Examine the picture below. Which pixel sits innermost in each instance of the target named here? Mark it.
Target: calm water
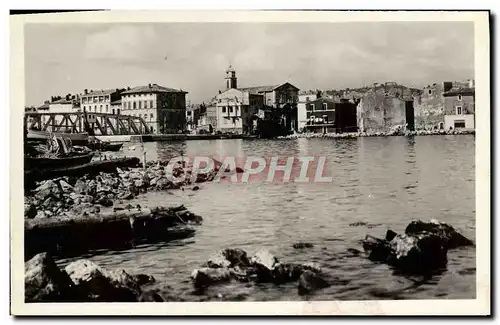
(384, 182)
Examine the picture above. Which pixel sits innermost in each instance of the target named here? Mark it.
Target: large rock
(421, 250)
(205, 277)
(47, 189)
(264, 263)
(419, 253)
(229, 257)
(451, 238)
(29, 210)
(45, 282)
(100, 285)
(310, 281)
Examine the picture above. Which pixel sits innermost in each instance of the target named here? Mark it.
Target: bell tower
(231, 78)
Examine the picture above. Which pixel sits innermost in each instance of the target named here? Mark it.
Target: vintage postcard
(250, 163)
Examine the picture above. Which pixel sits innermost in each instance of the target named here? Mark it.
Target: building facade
(459, 108)
(320, 115)
(304, 98)
(99, 101)
(235, 109)
(163, 109)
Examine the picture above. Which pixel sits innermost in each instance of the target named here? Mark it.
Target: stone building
(99, 101)
(236, 107)
(380, 111)
(163, 109)
(459, 108)
(430, 105)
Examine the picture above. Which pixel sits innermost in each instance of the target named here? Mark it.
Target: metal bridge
(101, 123)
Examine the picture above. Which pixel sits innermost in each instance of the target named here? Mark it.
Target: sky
(68, 58)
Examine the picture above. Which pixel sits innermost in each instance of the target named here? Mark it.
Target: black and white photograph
(335, 161)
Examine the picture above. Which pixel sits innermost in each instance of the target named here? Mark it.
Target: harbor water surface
(378, 183)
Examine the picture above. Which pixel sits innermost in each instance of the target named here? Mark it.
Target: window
(100, 108)
(107, 108)
(459, 124)
(151, 115)
(460, 97)
(135, 105)
(118, 111)
(325, 106)
(84, 100)
(230, 109)
(430, 91)
(95, 108)
(129, 105)
(307, 98)
(140, 104)
(151, 104)
(113, 111)
(223, 109)
(145, 104)
(459, 110)
(101, 99)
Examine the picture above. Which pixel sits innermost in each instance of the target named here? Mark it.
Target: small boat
(105, 146)
(76, 138)
(56, 162)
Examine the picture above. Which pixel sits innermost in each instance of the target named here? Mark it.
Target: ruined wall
(429, 107)
(467, 104)
(379, 112)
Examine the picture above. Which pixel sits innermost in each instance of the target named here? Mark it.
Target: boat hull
(31, 163)
(76, 138)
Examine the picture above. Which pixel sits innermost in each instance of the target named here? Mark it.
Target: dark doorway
(410, 115)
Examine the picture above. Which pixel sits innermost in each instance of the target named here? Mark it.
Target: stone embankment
(376, 134)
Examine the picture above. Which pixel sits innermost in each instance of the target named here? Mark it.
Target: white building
(304, 98)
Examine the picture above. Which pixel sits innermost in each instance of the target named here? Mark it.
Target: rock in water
(301, 245)
(378, 249)
(310, 281)
(451, 237)
(264, 263)
(99, 284)
(236, 257)
(389, 235)
(205, 277)
(218, 260)
(151, 296)
(45, 282)
(420, 253)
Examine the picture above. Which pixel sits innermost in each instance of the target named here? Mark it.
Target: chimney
(85, 91)
(128, 87)
(149, 85)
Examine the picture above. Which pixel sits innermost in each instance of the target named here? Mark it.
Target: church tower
(231, 78)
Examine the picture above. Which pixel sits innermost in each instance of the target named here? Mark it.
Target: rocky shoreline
(420, 251)
(376, 134)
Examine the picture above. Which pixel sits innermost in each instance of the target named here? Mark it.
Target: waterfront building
(320, 115)
(459, 107)
(305, 97)
(99, 101)
(236, 108)
(163, 109)
(116, 107)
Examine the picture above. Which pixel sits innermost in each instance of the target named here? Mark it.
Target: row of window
(145, 116)
(97, 109)
(312, 106)
(138, 104)
(95, 99)
(232, 109)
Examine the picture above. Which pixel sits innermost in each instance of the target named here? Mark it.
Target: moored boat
(56, 162)
(76, 138)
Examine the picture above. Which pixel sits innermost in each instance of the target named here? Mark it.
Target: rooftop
(63, 101)
(152, 88)
(264, 89)
(101, 92)
(459, 91)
